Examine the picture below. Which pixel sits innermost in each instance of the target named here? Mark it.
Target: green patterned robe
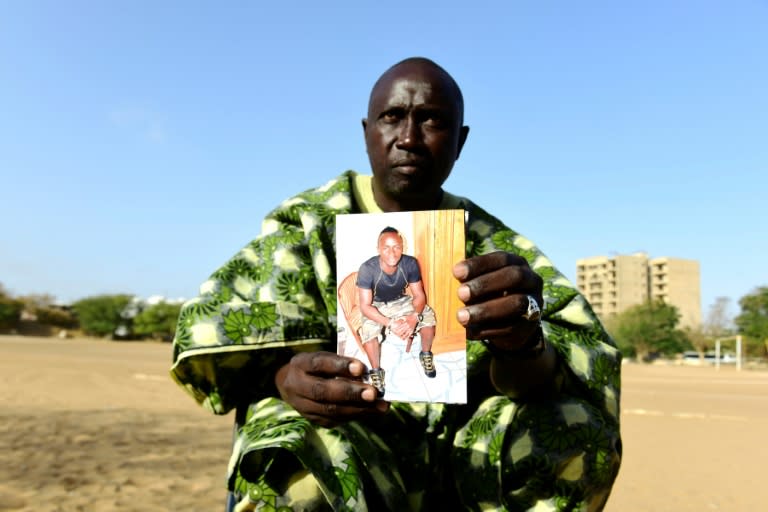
(278, 295)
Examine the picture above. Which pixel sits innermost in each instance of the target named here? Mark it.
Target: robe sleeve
(275, 297)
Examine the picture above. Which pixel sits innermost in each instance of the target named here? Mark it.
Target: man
(541, 426)
(386, 307)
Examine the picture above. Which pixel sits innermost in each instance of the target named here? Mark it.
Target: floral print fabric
(278, 296)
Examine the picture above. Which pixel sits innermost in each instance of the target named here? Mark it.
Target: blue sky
(142, 142)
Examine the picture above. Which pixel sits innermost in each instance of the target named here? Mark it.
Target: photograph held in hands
(398, 301)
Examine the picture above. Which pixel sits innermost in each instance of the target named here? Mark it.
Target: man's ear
(463, 133)
(364, 121)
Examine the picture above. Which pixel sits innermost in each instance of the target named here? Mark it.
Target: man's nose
(409, 135)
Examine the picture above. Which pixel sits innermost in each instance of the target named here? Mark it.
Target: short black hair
(389, 229)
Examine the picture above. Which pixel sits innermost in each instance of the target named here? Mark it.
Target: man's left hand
(495, 289)
(402, 328)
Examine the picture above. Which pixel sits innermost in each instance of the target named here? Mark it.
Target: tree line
(119, 316)
(643, 331)
(652, 329)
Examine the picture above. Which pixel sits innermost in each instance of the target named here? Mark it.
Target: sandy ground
(98, 426)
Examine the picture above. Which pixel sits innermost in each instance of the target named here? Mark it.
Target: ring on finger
(533, 313)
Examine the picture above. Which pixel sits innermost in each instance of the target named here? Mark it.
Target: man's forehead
(404, 91)
(389, 238)
(414, 82)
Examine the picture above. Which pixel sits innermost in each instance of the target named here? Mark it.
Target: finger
(331, 409)
(478, 265)
(328, 364)
(508, 308)
(339, 390)
(501, 282)
(331, 414)
(322, 420)
(400, 329)
(513, 335)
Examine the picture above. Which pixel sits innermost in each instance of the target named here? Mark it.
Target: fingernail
(382, 406)
(355, 368)
(463, 316)
(368, 394)
(464, 293)
(460, 271)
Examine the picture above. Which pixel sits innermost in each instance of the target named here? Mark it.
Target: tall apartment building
(676, 282)
(613, 284)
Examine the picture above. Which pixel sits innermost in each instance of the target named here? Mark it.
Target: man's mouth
(408, 166)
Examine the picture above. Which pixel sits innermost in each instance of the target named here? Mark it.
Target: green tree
(647, 329)
(753, 320)
(101, 315)
(10, 310)
(157, 321)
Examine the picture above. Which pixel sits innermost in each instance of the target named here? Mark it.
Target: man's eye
(434, 121)
(389, 118)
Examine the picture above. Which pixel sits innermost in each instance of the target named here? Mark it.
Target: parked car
(694, 358)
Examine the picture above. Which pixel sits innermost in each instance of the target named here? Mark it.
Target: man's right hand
(327, 388)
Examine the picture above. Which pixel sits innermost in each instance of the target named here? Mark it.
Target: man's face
(390, 249)
(413, 135)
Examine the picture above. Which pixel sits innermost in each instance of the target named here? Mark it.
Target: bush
(157, 321)
(101, 315)
(55, 317)
(10, 312)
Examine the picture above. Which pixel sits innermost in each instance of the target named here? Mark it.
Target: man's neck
(388, 204)
(362, 189)
(387, 268)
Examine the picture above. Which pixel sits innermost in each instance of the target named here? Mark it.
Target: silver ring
(533, 314)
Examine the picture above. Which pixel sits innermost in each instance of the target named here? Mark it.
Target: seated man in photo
(386, 307)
